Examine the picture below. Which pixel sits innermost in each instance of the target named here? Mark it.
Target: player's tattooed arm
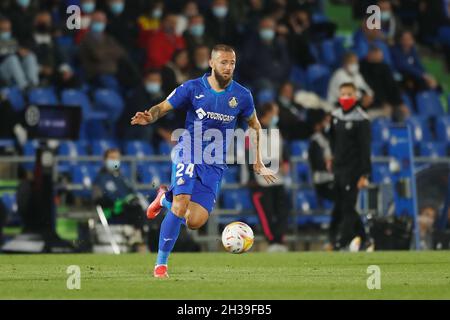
(153, 114)
(259, 166)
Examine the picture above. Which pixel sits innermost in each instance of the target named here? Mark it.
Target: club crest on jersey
(233, 102)
(180, 181)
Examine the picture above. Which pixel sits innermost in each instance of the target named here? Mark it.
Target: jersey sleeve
(249, 106)
(179, 98)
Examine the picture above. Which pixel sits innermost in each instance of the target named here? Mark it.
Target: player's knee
(195, 223)
(179, 208)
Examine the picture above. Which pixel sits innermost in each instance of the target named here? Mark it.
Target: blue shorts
(201, 181)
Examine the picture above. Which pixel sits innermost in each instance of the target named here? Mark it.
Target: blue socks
(168, 235)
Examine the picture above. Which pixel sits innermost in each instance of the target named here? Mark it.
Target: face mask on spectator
(152, 87)
(220, 11)
(267, 34)
(274, 121)
(385, 15)
(353, 68)
(284, 101)
(117, 7)
(5, 35)
(97, 27)
(112, 164)
(157, 13)
(88, 7)
(347, 103)
(197, 30)
(23, 3)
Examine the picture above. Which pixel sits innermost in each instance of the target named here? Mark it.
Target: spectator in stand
(149, 93)
(65, 78)
(122, 24)
(87, 9)
(176, 71)
(220, 25)
(200, 62)
(320, 156)
(387, 96)
(103, 59)
(195, 34)
(163, 43)
(265, 58)
(407, 62)
(349, 72)
(390, 24)
(113, 192)
(149, 22)
(18, 65)
(44, 46)
(190, 9)
(293, 122)
(21, 14)
(298, 37)
(364, 37)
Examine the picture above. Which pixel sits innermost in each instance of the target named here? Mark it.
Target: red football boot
(155, 207)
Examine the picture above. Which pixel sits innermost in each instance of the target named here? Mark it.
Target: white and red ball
(237, 237)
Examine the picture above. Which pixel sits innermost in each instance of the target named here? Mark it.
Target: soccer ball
(237, 237)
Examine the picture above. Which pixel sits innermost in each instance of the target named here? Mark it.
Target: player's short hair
(109, 151)
(348, 85)
(221, 47)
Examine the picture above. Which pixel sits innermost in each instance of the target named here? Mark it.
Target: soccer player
(215, 101)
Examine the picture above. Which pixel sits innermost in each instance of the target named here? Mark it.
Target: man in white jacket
(349, 72)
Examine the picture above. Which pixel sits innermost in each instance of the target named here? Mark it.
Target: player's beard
(221, 80)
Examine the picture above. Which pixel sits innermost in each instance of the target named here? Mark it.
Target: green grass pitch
(299, 275)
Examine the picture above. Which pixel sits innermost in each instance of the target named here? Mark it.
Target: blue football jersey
(210, 112)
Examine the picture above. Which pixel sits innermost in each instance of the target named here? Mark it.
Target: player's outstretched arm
(152, 115)
(259, 166)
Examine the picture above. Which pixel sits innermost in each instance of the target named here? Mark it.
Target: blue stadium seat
(302, 173)
(98, 147)
(14, 97)
(380, 130)
(72, 97)
(10, 202)
(29, 149)
(419, 128)
(317, 76)
(138, 148)
(298, 76)
(109, 100)
(125, 170)
(429, 104)
(378, 149)
(299, 148)
(156, 173)
(237, 199)
(381, 173)
(164, 148)
(443, 129)
(231, 175)
(408, 102)
(7, 143)
(42, 96)
(84, 175)
(69, 149)
(328, 53)
(304, 201)
(433, 149)
(265, 95)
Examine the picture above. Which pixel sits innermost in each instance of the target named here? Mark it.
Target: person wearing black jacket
(350, 144)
